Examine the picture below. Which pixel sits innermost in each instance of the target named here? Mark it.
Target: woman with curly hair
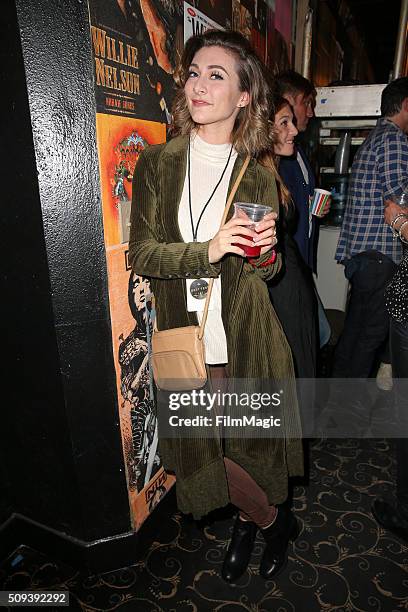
(180, 188)
(292, 289)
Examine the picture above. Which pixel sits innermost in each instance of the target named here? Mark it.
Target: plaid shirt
(380, 168)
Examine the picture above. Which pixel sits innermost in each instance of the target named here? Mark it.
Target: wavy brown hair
(269, 159)
(251, 132)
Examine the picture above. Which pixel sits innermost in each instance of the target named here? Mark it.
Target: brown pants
(245, 493)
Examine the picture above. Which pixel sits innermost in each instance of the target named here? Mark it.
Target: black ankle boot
(239, 550)
(277, 537)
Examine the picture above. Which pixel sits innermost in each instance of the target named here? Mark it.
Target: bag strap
(224, 216)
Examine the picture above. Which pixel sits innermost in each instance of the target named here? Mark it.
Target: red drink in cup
(250, 251)
(253, 212)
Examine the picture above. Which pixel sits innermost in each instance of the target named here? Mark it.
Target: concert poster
(277, 49)
(195, 22)
(242, 17)
(132, 316)
(135, 45)
(259, 31)
(220, 12)
(120, 142)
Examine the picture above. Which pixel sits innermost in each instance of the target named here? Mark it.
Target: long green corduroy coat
(257, 346)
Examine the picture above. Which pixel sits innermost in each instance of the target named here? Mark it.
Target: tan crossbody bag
(178, 354)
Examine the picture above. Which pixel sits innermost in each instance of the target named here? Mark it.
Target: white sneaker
(384, 377)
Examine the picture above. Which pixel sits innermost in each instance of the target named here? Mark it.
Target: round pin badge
(199, 288)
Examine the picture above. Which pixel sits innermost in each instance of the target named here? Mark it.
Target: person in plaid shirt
(366, 246)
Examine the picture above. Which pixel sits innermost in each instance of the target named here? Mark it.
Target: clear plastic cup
(254, 212)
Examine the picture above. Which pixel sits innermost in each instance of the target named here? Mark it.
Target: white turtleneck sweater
(207, 163)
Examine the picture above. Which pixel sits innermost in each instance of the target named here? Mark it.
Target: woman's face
(212, 89)
(285, 131)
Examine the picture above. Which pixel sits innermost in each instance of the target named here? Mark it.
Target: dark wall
(60, 436)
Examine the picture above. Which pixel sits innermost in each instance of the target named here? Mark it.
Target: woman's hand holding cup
(263, 224)
(241, 236)
(228, 237)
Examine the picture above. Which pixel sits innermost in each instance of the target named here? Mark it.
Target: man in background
(366, 246)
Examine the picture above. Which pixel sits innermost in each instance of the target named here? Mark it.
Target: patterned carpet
(342, 560)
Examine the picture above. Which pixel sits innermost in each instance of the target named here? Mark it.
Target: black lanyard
(195, 231)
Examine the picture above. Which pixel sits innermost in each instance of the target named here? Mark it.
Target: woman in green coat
(220, 116)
